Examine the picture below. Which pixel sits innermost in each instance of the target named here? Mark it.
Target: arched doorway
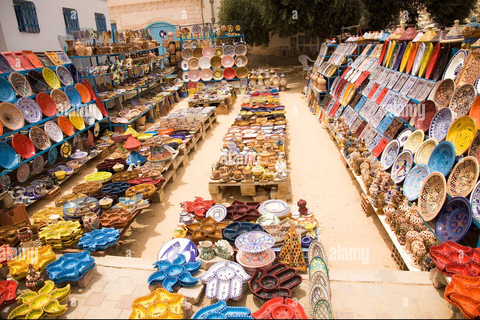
(157, 27)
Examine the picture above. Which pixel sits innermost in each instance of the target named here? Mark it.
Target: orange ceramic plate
(411, 59)
(84, 93)
(475, 111)
(166, 132)
(66, 126)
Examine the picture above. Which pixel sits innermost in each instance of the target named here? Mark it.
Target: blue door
(157, 27)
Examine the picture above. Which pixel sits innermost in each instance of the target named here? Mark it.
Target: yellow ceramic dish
(42, 216)
(426, 60)
(99, 176)
(51, 78)
(158, 304)
(77, 120)
(60, 175)
(131, 131)
(461, 134)
(391, 49)
(348, 95)
(414, 141)
(425, 150)
(38, 257)
(179, 141)
(145, 136)
(406, 55)
(391, 61)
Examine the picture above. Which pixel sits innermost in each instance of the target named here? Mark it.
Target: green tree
(380, 14)
(445, 12)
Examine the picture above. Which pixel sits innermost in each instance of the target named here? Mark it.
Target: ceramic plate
(461, 134)
(10, 116)
(454, 220)
(470, 70)
(463, 177)
(66, 126)
(39, 138)
(444, 93)
(403, 136)
(414, 180)
(184, 65)
(76, 120)
(475, 202)
(240, 50)
(277, 207)
(23, 172)
(206, 74)
(194, 75)
(406, 55)
(442, 158)
(46, 104)
(66, 150)
(441, 123)
(6, 91)
(254, 242)
(402, 165)
(61, 100)
(462, 100)
(187, 54)
(411, 59)
(455, 65)
(426, 60)
(23, 146)
(64, 76)
(84, 93)
(38, 164)
(428, 111)
(51, 78)
(432, 196)
(228, 61)
(229, 50)
(217, 212)
(208, 52)
(53, 131)
(30, 109)
(418, 58)
(474, 149)
(425, 150)
(204, 63)
(389, 154)
(317, 264)
(172, 248)
(433, 61)
(8, 156)
(414, 141)
(20, 84)
(52, 156)
(193, 64)
(73, 96)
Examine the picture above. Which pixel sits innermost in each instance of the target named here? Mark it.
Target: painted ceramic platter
(406, 55)
(229, 50)
(411, 59)
(426, 60)
(228, 61)
(77, 120)
(444, 93)
(403, 136)
(64, 76)
(61, 100)
(185, 76)
(194, 75)
(184, 65)
(322, 310)
(204, 63)
(425, 150)
(463, 177)
(442, 158)
(316, 294)
(23, 146)
(316, 249)
(441, 123)
(20, 84)
(174, 247)
(475, 202)
(46, 104)
(30, 109)
(471, 69)
(193, 64)
(455, 65)
(23, 172)
(217, 212)
(432, 196)
(383, 52)
(461, 134)
(95, 112)
(402, 165)
(11, 117)
(66, 126)
(389, 54)
(217, 74)
(398, 59)
(389, 154)
(73, 96)
(53, 131)
(433, 61)
(442, 62)
(51, 78)
(187, 54)
(462, 100)
(52, 156)
(39, 138)
(6, 91)
(454, 220)
(414, 141)
(229, 73)
(216, 62)
(66, 150)
(197, 53)
(84, 93)
(218, 51)
(240, 50)
(208, 52)
(206, 74)
(254, 242)
(8, 156)
(429, 110)
(38, 164)
(317, 264)
(418, 58)
(414, 180)
(241, 72)
(278, 208)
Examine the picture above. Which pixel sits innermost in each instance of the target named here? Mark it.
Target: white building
(19, 30)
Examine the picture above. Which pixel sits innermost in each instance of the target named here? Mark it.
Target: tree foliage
(445, 12)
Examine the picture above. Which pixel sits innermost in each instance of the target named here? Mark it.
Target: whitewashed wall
(51, 22)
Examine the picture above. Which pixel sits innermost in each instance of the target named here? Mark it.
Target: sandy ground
(352, 240)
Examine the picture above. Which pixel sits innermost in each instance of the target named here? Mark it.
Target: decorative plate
(463, 177)
(418, 58)
(414, 180)
(462, 100)
(20, 84)
(197, 53)
(53, 131)
(84, 93)
(5, 181)
(322, 310)
(426, 60)
(23, 172)
(432, 196)
(454, 220)
(461, 134)
(441, 123)
(194, 75)
(442, 62)
(229, 73)
(442, 158)
(217, 74)
(414, 141)
(187, 54)
(39, 138)
(185, 76)
(278, 208)
(61, 100)
(403, 136)
(66, 150)
(455, 64)
(241, 72)
(207, 52)
(64, 76)
(51, 78)
(444, 93)
(228, 61)
(240, 50)
(193, 64)
(204, 63)
(196, 29)
(402, 165)
(217, 212)
(37, 82)
(73, 96)
(206, 74)
(38, 164)
(23, 146)
(89, 88)
(317, 292)
(216, 62)
(389, 154)
(254, 242)
(77, 120)
(229, 50)
(474, 149)
(8, 156)
(101, 106)
(429, 110)
(66, 126)
(316, 249)
(411, 59)
(471, 69)
(174, 247)
(95, 112)
(52, 156)
(425, 150)
(241, 61)
(433, 61)
(6, 91)
(317, 264)
(30, 109)
(10, 116)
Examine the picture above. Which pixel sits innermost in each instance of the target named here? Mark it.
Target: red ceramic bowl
(47, 104)
(23, 146)
(229, 73)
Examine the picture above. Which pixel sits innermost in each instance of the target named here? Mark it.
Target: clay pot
(24, 234)
(88, 51)
(70, 48)
(321, 83)
(79, 48)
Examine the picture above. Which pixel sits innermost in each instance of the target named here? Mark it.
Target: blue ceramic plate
(442, 158)
(389, 154)
(475, 202)
(170, 250)
(8, 156)
(440, 124)
(402, 166)
(235, 229)
(6, 91)
(52, 156)
(414, 180)
(73, 95)
(454, 220)
(30, 109)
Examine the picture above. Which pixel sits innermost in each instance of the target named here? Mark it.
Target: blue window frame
(101, 23)
(71, 20)
(26, 14)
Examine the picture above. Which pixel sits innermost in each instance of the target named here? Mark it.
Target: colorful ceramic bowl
(461, 134)
(463, 177)
(217, 74)
(47, 104)
(194, 75)
(454, 220)
(227, 61)
(414, 180)
(440, 124)
(475, 202)
(455, 65)
(404, 135)
(77, 120)
(444, 93)
(402, 165)
(428, 109)
(229, 73)
(216, 62)
(414, 141)
(242, 72)
(442, 158)
(462, 100)
(51, 78)
(389, 154)
(425, 150)
(10, 116)
(432, 196)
